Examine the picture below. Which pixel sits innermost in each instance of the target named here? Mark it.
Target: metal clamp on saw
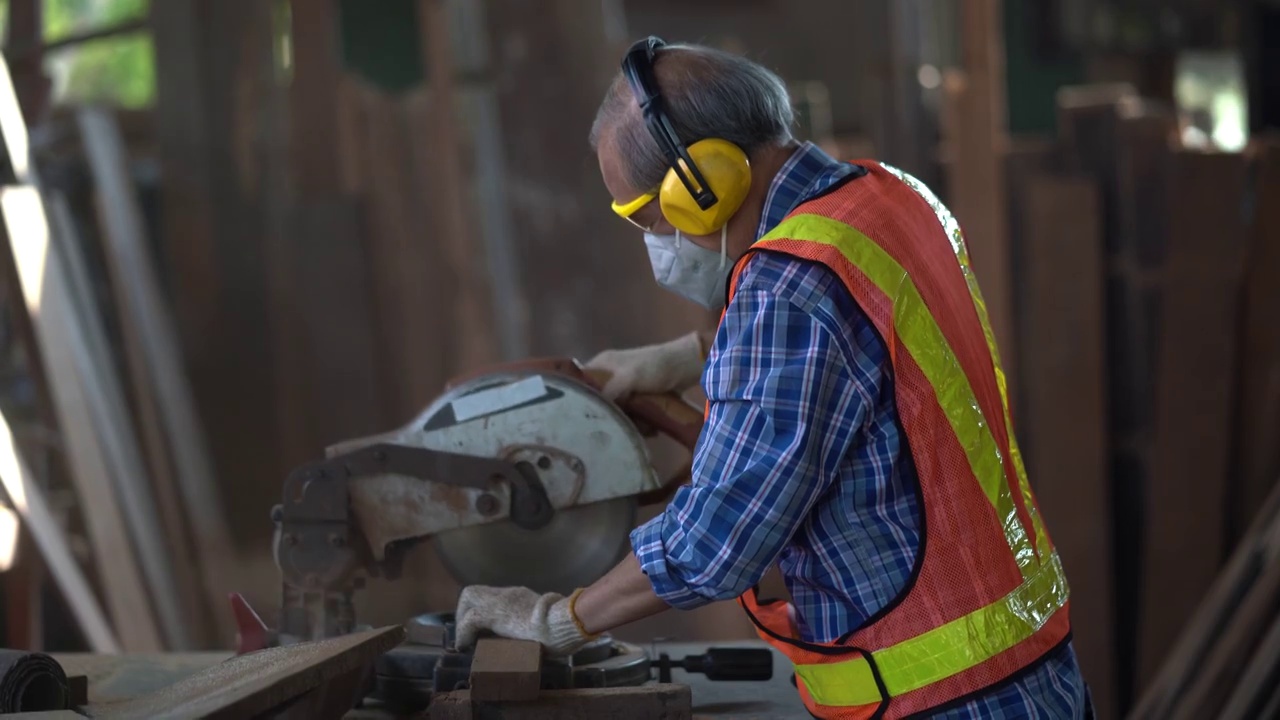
(522, 474)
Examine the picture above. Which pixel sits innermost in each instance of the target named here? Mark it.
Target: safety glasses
(626, 210)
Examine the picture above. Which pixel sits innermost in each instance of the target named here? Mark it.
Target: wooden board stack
(1145, 292)
(156, 531)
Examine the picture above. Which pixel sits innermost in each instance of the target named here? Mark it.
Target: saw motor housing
(503, 461)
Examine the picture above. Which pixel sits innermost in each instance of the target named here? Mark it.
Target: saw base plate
(408, 676)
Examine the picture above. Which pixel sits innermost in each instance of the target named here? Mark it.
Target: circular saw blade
(575, 549)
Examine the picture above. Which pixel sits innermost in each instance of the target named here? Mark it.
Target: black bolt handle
(723, 664)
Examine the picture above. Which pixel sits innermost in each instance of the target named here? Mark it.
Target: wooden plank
(78, 685)
(28, 500)
(24, 31)
(505, 670)
(1213, 614)
(409, 283)
(1211, 683)
(62, 345)
(108, 415)
(1137, 248)
(94, 428)
(976, 135)
(331, 344)
(1089, 120)
(1256, 457)
(646, 702)
(164, 395)
(66, 242)
(888, 41)
(1186, 498)
(474, 341)
(1063, 377)
(332, 699)
(114, 678)
(220, 139)
(113, 423)
(583, 270)
(246, 685)
(1259, 677)
(23, 583)
(40, 48)
(1136, 241)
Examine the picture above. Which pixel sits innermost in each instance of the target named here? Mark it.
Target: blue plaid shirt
(801, 462)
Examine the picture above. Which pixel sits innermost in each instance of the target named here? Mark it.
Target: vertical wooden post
(1256, 459)
(26, 30)
(1186, 498)
(1064, 385)
(976, 182)
(459, 239)
(218, 100)
(326, 353)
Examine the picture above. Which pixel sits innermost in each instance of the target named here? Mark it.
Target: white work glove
(519, 614)
(673, 365)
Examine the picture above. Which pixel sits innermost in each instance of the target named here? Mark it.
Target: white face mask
(689, 270)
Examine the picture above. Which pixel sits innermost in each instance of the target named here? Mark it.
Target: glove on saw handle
(667, 413)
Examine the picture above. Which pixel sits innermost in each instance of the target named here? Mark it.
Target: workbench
(121, 677)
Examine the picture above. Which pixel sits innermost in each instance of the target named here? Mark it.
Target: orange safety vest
(989, 596)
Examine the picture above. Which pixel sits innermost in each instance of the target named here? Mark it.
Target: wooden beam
(646, 702)
(82, 404)
(28, 500)
(76, 396)
(506, 670)
(1186, 500)
(976, 137)
(1256, 457)
(220, 139)
(328, 362)
(409, 283)
(1063, 351)
(154, 358)
(28, 50)
(474, 343)
(23, 582)
(1185, 660)
(583, 270)
(26, 29)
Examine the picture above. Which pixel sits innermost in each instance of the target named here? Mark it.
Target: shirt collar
(807, 172)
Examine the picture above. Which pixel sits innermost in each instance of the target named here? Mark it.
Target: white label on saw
(488, 402)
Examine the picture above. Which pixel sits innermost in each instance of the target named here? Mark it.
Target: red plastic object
(251, 632)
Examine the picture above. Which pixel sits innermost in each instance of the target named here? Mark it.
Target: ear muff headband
(687, 198)
(637, 65)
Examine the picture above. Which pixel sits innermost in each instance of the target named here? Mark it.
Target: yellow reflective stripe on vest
(920, 334)
(945, 650)
(952, 228)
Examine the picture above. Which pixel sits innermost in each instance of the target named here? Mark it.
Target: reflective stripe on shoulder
(952, 228)
(945, 650)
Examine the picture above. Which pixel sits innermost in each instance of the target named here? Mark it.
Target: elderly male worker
(857, 429)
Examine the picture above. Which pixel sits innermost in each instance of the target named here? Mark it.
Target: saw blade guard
(568, 441)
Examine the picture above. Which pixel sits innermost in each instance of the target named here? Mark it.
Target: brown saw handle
(667, 413)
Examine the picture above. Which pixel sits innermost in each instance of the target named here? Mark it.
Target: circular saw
(603, 462)
(521, 474)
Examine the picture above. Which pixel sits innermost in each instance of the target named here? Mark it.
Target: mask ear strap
(724, 245)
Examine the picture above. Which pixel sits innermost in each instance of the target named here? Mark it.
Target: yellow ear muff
(727, 171)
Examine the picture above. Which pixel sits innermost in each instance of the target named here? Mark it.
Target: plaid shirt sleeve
(784, 409)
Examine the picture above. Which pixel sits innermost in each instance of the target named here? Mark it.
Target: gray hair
(706, 93)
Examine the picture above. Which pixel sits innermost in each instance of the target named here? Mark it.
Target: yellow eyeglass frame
(626, 210)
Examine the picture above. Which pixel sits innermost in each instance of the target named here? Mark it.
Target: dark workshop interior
(245, 237)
